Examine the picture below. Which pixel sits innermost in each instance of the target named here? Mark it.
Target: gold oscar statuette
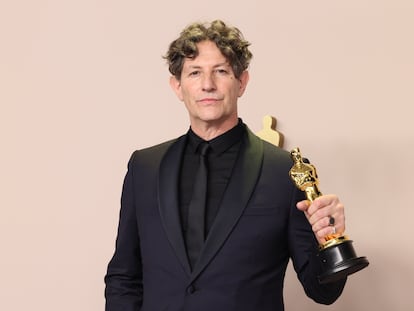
(337, 255)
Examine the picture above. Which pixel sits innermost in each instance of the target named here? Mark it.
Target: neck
(209, 130)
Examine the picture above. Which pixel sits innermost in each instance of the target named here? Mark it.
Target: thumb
(303, 205)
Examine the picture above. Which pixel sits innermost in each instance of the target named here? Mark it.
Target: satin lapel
(241, 185)
(168, 199)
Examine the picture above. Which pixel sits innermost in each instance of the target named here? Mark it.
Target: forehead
(208, 55)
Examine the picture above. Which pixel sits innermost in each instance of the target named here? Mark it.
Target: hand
(319, 213)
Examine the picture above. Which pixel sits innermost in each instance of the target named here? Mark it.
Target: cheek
(186, 94)
(236, 92)
(186, 97)
(239, 90)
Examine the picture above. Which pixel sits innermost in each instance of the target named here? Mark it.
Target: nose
(208, 83)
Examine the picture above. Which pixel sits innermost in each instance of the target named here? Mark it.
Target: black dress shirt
(221, 158)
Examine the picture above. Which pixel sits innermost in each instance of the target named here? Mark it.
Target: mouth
(208, 100)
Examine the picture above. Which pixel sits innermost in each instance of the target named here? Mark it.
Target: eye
(194, 73)
(222, 71)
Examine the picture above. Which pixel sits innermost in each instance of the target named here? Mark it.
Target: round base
(343, 269)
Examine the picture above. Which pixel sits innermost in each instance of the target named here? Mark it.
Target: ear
(244, 79)
(176, 87)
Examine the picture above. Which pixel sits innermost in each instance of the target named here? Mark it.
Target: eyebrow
(217, 65)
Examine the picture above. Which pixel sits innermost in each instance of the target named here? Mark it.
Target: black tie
(196, 210)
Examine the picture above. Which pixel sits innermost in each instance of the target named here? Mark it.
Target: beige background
(82, 84)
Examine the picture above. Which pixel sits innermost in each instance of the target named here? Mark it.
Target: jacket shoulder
(152, 155)
(272, 152)
(276, 151)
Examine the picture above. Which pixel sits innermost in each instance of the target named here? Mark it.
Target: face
(209, 88)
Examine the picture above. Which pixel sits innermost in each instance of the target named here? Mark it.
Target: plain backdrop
(83, 84)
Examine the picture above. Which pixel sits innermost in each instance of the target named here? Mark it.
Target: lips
(208, 100)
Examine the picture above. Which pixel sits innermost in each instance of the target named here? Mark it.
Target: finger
(326, 206)
(322, 202)
(303, 205)
(319, 216)
(323, 223)
(325, 229)
(327, 233)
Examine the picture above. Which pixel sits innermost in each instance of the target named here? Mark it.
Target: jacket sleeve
(303, 248)
(123, 280)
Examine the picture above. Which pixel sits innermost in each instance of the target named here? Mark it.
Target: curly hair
(228, 39)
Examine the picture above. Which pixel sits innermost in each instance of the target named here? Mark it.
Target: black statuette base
(338, 261)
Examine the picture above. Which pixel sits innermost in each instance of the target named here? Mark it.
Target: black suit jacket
(243, 263)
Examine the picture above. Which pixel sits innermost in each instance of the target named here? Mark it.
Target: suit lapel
(168, 199)
(241, 185)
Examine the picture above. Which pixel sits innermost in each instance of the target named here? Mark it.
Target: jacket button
(191, 289)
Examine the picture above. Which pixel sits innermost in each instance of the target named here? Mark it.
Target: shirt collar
(220, 143)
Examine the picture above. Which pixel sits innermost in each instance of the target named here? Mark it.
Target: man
(254, 219)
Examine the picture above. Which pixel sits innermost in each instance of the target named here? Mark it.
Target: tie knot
(204, 147)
